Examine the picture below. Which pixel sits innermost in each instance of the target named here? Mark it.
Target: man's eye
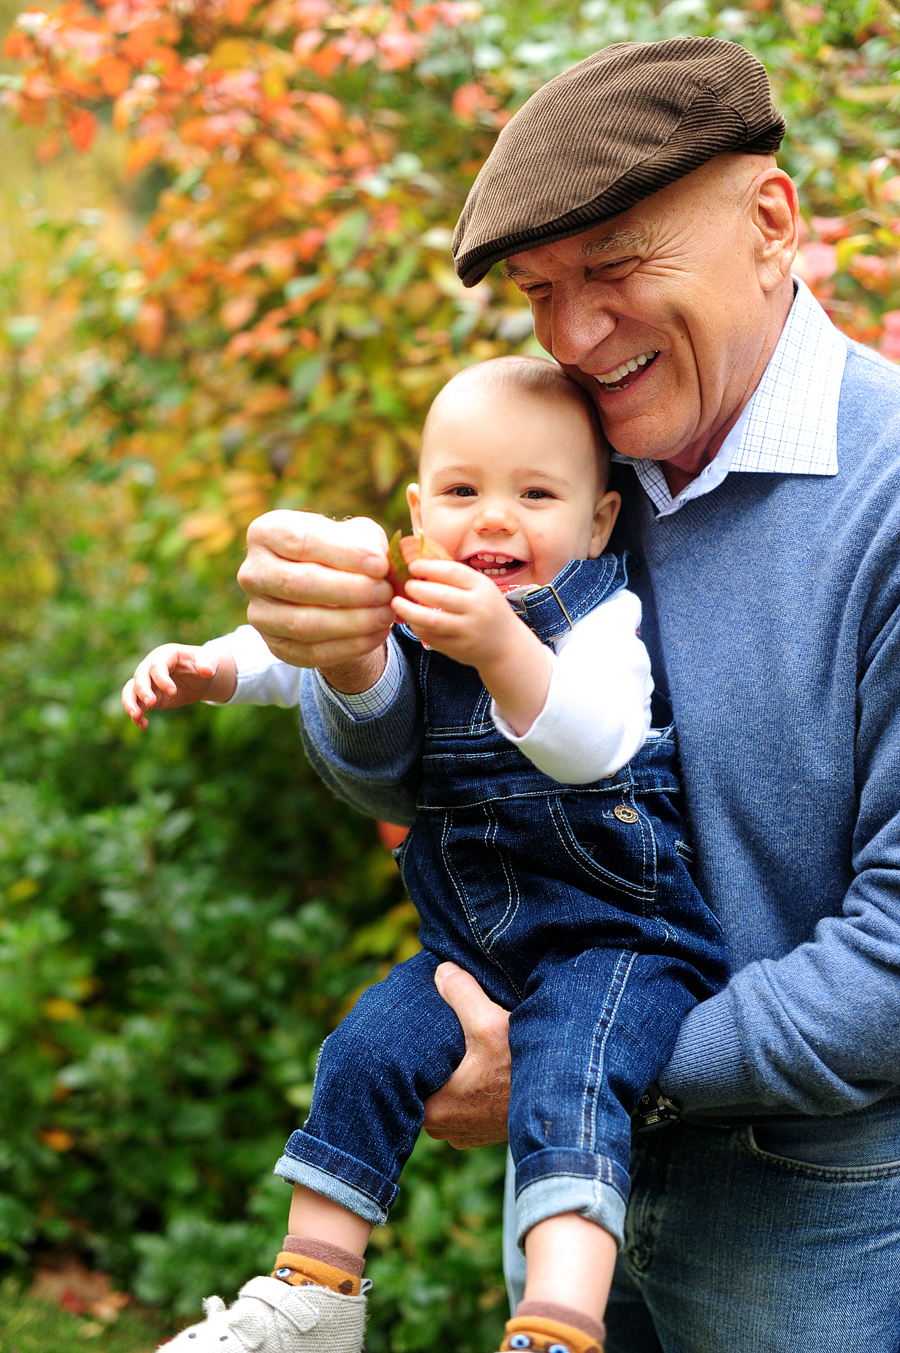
(621, 267)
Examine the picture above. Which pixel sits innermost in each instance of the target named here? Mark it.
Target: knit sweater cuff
(366, 745)
(709, 1070)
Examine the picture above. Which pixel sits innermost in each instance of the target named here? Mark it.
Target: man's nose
(575, 323)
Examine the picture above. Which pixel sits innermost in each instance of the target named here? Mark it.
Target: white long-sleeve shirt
(595, 719)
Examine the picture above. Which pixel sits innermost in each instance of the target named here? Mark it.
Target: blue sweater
(771, 616)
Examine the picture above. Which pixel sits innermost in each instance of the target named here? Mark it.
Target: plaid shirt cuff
(374, 702)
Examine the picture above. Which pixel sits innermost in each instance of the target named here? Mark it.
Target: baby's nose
(495, 517)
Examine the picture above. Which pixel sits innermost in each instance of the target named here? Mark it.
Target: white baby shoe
(270, 1316)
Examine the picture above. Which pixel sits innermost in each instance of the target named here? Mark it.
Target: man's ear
(414, 498)
(775, 218)
(605, 514)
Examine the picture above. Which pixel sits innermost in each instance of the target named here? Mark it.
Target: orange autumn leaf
(16, 45)
(140, 154)
(470, 100)
(115, 75)
(404, 550)
(82, 128)
(238, 11)
(150, 327)
(237, 310)
(49, 148)
(57, 1139)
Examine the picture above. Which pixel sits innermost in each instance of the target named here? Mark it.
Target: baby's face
(510, 485)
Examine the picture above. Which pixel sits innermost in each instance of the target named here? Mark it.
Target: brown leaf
(403, 550)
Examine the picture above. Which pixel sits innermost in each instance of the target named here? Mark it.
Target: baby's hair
(536, 376)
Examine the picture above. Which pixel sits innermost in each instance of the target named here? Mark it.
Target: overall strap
(553, 610)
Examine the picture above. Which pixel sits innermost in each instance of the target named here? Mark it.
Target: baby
(546, 859)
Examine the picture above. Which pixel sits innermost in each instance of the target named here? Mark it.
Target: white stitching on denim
(467, 910)
(639, 892)
(512, 888)
(594, 1079)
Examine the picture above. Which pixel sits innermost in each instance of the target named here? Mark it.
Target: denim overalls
(573, 907)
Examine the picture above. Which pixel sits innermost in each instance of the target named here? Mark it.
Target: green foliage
(184, 914)
(35, 1326)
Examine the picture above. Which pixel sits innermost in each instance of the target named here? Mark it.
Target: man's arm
(367, 748)
(818, 1029)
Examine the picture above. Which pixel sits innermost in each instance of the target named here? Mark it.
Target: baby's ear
(605, 514)
(414, 498)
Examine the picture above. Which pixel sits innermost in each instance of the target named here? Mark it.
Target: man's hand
(317, 588)
(472, 1108)
(178, 674)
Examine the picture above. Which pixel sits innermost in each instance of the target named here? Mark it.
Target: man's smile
(626, 373)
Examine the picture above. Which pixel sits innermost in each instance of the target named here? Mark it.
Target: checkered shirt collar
(790, 424)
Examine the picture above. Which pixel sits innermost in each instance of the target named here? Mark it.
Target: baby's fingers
(132, 706)
(446, 571)
(439, 597)
(426, 620)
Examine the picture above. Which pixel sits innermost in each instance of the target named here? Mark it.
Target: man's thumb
(482, 1020)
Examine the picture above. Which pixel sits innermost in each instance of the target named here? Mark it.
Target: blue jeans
(779, 1236)
(590, 1032)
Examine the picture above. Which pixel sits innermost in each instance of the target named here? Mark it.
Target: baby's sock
(306, 1262)
(544, 1325)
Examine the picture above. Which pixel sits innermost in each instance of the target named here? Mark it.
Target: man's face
(663, 313)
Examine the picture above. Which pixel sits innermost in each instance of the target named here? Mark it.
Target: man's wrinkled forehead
(602, 241)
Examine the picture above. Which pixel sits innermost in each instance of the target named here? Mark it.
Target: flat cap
(607, 133)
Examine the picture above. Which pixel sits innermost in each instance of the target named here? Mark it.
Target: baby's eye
(537, 493)
(462, 491)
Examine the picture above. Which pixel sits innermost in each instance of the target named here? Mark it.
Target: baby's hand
(178, 674)
(476, 625)
(456, 610)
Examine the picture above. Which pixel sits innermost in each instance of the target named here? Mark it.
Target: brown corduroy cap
(610, 131)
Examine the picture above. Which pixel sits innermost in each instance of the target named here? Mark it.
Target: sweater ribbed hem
(350, 756)
(709, 1070)
(361, 743)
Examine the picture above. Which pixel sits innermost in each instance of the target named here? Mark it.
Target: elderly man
(639, 208)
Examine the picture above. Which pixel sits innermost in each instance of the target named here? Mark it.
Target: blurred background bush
(225, 286)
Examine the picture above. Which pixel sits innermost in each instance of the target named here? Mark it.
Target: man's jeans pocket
(856, 1146)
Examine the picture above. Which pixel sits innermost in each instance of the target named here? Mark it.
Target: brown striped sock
(545, 1324)
(306, 1262)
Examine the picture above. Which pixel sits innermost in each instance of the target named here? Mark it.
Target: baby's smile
(494, 565)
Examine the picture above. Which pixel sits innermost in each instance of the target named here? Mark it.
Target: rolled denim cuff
(338, 1176)
(563, 1179)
